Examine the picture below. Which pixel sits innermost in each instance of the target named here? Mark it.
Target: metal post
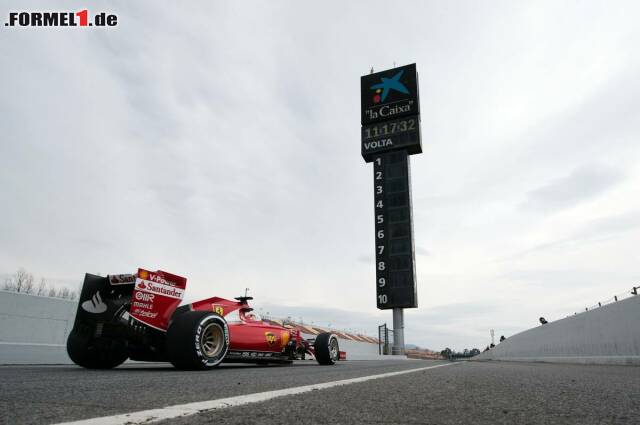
(398, 332)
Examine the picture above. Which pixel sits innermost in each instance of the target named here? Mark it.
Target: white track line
(181, 410)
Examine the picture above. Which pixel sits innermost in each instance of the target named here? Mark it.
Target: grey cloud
(591, 231)
(549, 278)
(367, 259)
(582, 184)
(422, 251)
(613, 224)
(605, 122)
(456, 313)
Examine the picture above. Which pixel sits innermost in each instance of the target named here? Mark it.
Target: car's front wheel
(327, 349)
(197, 340)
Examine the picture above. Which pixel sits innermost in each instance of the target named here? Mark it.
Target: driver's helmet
(252, 316)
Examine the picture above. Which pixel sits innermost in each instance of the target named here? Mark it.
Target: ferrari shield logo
(217, 309)
(271, 338)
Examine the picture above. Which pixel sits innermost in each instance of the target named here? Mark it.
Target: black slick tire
(326, 348)
(197, 340)
(95, 354)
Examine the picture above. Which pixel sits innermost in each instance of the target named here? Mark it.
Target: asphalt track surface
(465, 393)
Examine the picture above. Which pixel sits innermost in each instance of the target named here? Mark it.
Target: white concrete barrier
(33, 329)
(357, 350)
(607, 335)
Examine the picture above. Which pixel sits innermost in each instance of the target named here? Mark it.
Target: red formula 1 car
(137, 317)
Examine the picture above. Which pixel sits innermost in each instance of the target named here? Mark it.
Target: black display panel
(389, 94)
(395, 259)
(402, 133)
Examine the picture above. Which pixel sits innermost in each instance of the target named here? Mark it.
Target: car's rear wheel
(197, 340)
(95, 353)
(327, 349)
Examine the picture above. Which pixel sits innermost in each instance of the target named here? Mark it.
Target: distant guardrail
(614, 299)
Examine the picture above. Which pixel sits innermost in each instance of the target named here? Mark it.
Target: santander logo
(160, 289)
(95, 305)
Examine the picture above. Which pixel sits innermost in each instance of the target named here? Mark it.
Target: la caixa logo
(81, 18)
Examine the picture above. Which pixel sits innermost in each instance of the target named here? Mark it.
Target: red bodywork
(248, 334)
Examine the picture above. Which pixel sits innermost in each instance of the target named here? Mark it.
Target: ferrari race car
(138, 317)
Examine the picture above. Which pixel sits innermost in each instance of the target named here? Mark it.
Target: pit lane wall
(357, 350)
(607, 335)
(33, 329)
(361, 350)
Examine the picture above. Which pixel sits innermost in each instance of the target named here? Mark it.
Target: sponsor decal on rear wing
(122, 279)
(155, 297)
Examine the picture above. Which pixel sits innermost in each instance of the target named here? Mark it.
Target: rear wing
(156, 296)
(147, 297)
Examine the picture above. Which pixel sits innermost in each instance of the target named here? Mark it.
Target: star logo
(382, 89)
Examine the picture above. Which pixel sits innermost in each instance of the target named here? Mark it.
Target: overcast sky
(220, 141)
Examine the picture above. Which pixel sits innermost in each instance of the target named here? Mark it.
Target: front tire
(197, 340)
(95, 354)
(326, 348)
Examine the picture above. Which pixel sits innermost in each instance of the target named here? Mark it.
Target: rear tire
(95, 354)
(197, 340)
(327, 349)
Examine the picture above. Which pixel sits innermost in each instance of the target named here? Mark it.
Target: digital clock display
(403, 133)
(389, 128)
